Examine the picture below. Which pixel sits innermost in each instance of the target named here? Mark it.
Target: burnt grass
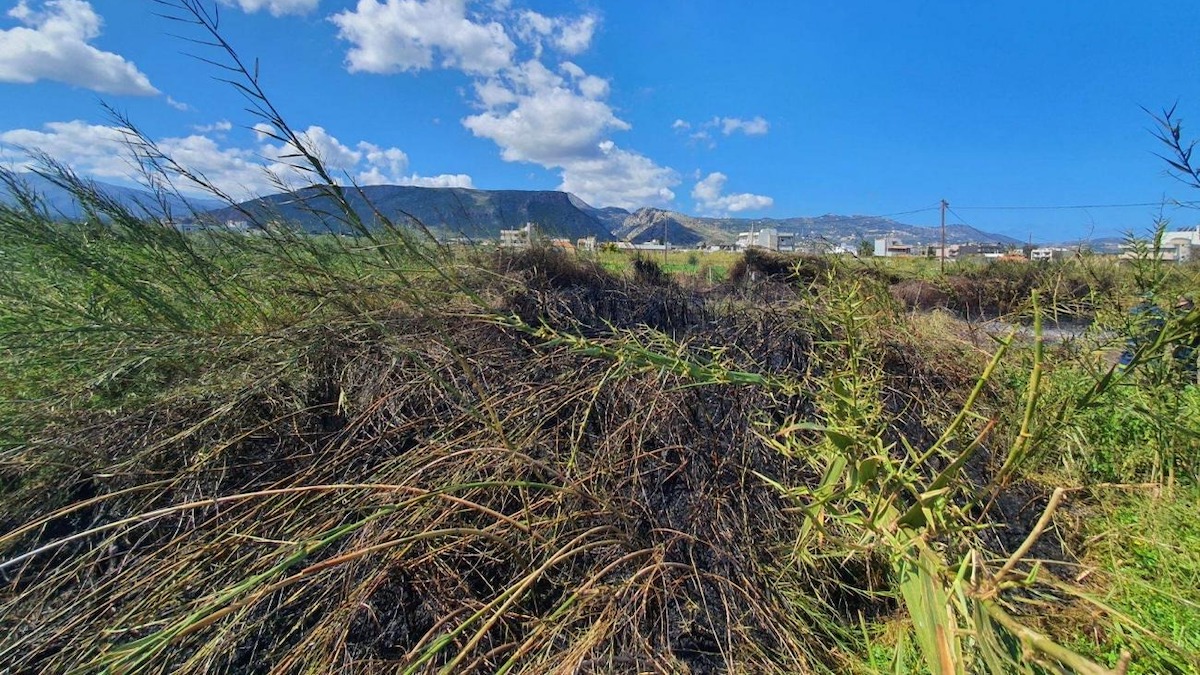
(596, 516)
(1004, 288)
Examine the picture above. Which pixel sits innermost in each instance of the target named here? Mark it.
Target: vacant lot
(279, 453)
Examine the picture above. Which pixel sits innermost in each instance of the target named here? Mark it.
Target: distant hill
(647, 224)
(1098, 245)
(62, 203)
(481, 214)
(611, 216)
(655, 224)
(461, 212)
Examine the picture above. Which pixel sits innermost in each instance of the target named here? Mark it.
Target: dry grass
(286, 453)
(432, 492)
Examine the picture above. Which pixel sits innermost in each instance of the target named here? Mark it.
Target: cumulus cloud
(536, 115)
(98, 149)
(103, 152)
(554, 116)
(710, 197)
(616, 177)
(52, 44)
(365, 163)
(704, 131)
(548, 128)
(569, 36)
(220, 127)
(406, 35)
(576, 36)
(445, 180)
(752, 127)
(493, 94)
(275, 7)
(589, 85)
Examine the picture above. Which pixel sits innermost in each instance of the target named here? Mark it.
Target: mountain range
(447, 212)
(61, 203)
(481, 214)
(651, 224)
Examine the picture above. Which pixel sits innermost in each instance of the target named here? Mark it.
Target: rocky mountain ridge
(651, 224)
(446, 212)
(481, 214)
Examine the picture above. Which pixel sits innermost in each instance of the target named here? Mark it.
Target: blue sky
(710, 108)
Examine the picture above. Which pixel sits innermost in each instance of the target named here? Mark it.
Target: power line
(1076, 206)
(961, 220)
(1056, 207)
(935, 207)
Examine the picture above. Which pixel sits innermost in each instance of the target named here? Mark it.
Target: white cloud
(178, 105)
(702, 137)
(589, 85)
(568, 36)
(275, 7)
(531, 24)
(220, 127)
(239, 172)
(446, 180)
(616, 177)
(709, 197)
(572, 69)
(385, 164)
(575, 37)
(535, 115)
(555, 116)
(52, 44)
(102, 152)
(594, 87)
(405, 35)
(493, 94)
(337, 157)
(365, 163)
(263, 131)
(546, 121)
(703, 134)
(752, 127)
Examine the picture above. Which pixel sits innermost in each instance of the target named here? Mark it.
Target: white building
(653, 245)
(1046, 253)
(768, 238)
(521, 238)
(1181, 245)
(890, 247)
(1176, 246)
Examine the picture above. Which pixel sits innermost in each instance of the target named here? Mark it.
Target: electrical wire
(961, 220)
(906, 213)
(1078, 206)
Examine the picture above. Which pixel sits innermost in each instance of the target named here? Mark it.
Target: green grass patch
(1147, 551)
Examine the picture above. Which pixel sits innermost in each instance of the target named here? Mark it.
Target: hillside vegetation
(449, 212)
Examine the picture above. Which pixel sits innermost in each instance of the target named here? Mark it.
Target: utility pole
(664, 244)
(942, 253)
